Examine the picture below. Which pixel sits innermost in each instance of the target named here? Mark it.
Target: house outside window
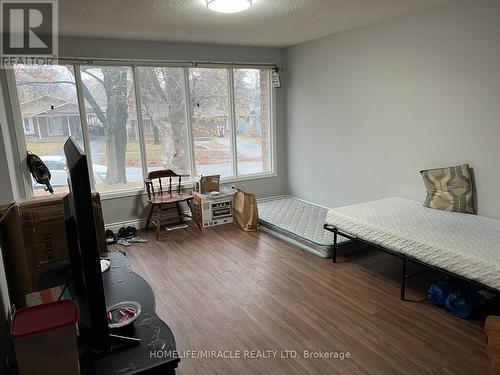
(131, 120)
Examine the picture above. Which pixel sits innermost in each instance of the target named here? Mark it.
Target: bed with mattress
(463, 245)
(299, 223)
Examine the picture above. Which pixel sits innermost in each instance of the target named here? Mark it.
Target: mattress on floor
(464, 244)
(299, 220)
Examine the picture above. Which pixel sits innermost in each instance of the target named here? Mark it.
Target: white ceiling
(276, 23)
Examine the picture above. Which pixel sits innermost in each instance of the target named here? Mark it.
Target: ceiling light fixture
(228, 6)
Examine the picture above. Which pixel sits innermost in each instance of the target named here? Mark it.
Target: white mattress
(304, 220)
(467, 245)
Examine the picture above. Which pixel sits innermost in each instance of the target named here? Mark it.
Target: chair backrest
(157, 176)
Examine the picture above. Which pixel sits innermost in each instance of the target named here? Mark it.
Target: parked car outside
(58, 171)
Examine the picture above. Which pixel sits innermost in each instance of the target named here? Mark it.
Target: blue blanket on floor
(462, 303)
(439, 292)
(460, 300)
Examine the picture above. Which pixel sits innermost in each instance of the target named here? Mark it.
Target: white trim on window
(187, 186)
(83, 121)
(232, 121)
(25, 178)
(189, 119)
(140, 124)
(234, 179)
(272, 131)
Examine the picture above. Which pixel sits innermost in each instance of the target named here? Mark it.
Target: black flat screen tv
(84, 254)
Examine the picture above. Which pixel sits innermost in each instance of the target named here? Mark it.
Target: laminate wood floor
(225, 289)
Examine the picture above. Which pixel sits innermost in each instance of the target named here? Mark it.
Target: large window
(195, 121)
(48, 104)
(252, 112)
(211, 121)
(113, 135)
(164, 119)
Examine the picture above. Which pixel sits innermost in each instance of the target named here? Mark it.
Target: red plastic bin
(45, 338)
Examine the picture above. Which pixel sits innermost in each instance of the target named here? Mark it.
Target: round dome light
(228, 6)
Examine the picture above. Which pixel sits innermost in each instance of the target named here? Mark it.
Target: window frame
(272, 139)
(25, 177)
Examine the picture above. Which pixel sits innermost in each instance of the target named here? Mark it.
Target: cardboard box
(208, 184)
(16, 261)
(34, 234)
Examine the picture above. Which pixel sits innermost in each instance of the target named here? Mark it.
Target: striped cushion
(449, 189)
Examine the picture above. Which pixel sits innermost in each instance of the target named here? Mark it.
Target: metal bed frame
(405, 259)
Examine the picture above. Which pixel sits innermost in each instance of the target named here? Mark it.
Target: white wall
(364, 109)
(368, 108)
(130, 208)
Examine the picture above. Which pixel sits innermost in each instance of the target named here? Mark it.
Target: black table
(156, 353)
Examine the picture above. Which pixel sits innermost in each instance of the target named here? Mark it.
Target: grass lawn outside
(248, 138)
(103, 187)
(45, 148)
(211, 152)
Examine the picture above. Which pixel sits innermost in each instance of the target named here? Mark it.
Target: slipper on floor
(123, 242)
(110, 237)
(130, 232)
(122, 232)
(137, 240)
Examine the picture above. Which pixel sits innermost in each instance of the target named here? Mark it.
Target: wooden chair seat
(161, 197)
(170, 198)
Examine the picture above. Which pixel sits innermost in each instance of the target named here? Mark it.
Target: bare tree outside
(163, 105)
(210, 121)
(111, 109)
(252, 112)
(50, 113)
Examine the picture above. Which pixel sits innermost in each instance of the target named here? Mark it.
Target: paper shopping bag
(245, 210)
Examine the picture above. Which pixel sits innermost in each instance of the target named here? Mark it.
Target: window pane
(49, 109)
(114, 137)
(164, 119)
(210, 121)
(252, 118)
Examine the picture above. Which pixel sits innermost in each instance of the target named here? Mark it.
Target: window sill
(139, 192)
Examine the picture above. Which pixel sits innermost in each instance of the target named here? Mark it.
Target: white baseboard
(272, 198)
(303, 200)
(283, 196)
(141, 223)
(138, 223)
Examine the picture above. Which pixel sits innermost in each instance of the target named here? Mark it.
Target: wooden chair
(162, 199)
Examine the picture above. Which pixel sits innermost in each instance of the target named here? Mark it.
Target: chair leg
(179, 212)
(148, 221)
(158, 224)
(193, 214)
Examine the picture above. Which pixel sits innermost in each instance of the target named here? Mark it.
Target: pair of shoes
(126, 236)
(128, 232)
(110, 237)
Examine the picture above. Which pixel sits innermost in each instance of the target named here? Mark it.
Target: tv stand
(134, 347)
(118, 341)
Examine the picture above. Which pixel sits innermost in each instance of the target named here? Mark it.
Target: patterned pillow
(449, 189)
